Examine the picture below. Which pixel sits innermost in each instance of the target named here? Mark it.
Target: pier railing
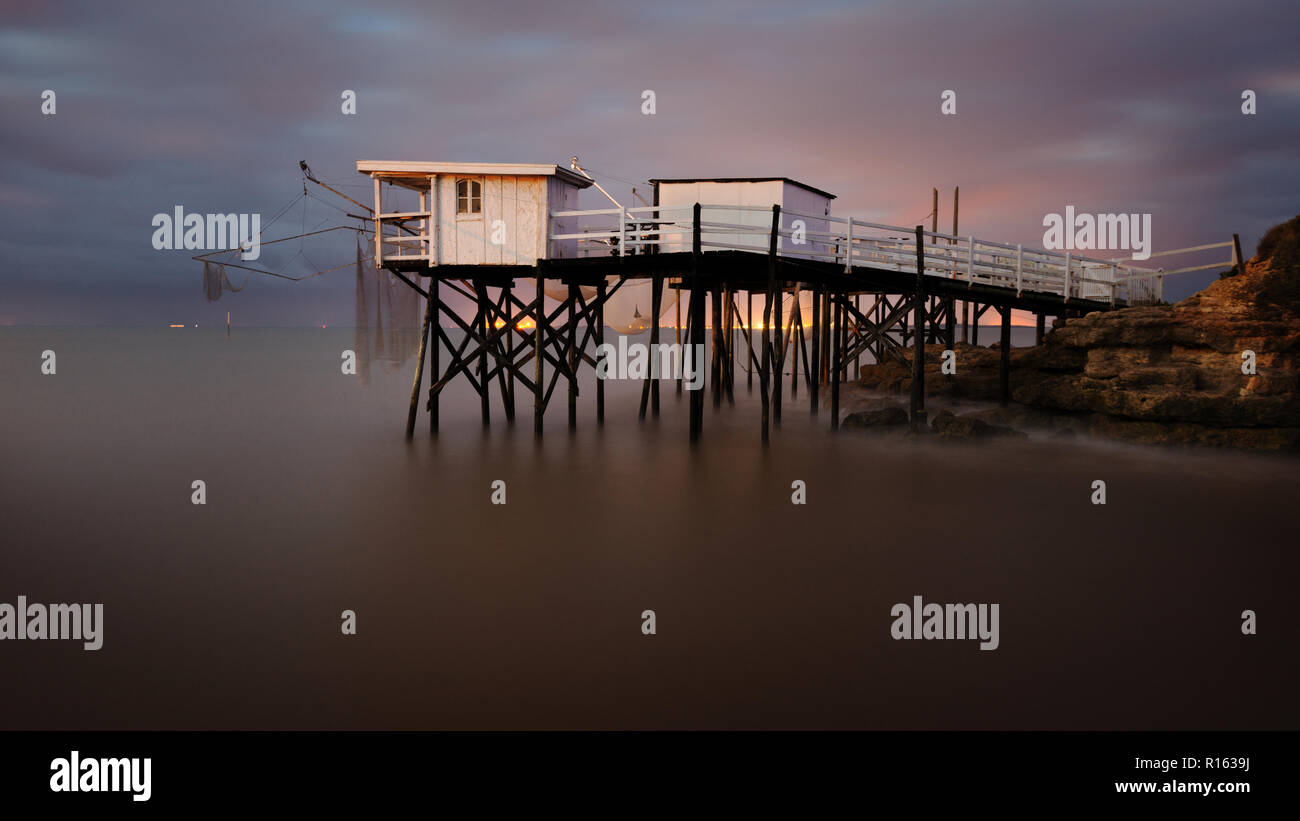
(854, 243)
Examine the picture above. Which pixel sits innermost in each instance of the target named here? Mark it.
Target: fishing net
(389, 315)
(215, 281)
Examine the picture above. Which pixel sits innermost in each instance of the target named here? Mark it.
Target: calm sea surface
(528, 614)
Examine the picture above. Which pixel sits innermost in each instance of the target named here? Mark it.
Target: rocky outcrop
(950, 426)
(1168, 374)
(887, 417)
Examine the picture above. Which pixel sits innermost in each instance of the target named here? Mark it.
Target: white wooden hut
(475, 213)
(754, 198)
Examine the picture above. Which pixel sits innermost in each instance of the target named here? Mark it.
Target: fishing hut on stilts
(510, 237)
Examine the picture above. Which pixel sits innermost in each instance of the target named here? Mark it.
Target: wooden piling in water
(677, 328)
(749, 341)
(917, 414)
(697, 329)
(857, 359)
(778, 349)
(419, 370)
(1040, 325)
(656, 307)
(572, 329)
(509, 398)
(1004, 365)
(715, 372)
(796, 337)
(481, 324)
(600, 340)
(539, 391)
(836, 352)
(765, 376)
(814, 376)
(435, 355)
(729, 335)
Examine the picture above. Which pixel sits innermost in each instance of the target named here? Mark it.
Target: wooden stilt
(918, 338)
(815, 375)
(435, 354)
(539, 387)
(481, 325)
(778, 348)
(857, 359)
(729, 340)
(697, 330)
(600, 340)
(419, 370)
(1040, 324)
(749, 333)
(509, 346)
(796, 335)
(765, 376)
(572, 330)
(715, 374)
(1004, 369)
(678, 329)
(836, 352)
(656, 308)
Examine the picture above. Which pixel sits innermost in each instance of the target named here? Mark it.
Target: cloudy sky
(1107, 106)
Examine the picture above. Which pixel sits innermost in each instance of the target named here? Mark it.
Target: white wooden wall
(761, 194)
(519, 202)
(562, 197)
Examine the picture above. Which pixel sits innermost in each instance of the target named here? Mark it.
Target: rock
(950, 426)
(891, 416)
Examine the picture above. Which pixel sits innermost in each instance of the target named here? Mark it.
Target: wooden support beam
(697, 328)
(656, 308)
(480, 323)
(749, 337)
(539, 323)
(677, 329)
(435, 355)
(765, 375)
(1004, 367)
(729, 340)
(857, 356)
(778, 350)
(507, 296)
(600, 340)
(796, 335)
(1040, 325)
(419, 370)
(918, 338)
(835, 362)
(815, 372)
(715, 373)
(572, 329)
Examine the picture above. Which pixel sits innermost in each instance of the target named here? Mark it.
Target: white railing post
(970, 261)
(622, 232)
(379, 227)
(848, 249)
(1065, 292)
(1020, 256)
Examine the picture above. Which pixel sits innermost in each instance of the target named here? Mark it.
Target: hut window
(469, 197)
